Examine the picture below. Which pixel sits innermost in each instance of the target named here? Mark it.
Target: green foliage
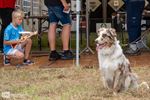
(121, 36)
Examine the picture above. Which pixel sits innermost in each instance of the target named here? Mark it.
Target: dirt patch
(86, 60)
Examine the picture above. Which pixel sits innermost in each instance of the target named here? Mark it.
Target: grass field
(70, 83)
(64, 84)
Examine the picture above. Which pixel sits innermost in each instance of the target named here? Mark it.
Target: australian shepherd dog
(114, 66)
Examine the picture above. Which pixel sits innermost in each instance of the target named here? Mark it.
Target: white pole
(78, 9)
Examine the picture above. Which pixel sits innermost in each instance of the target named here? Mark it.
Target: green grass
(121, 36)
(59, 43)
(82, 43)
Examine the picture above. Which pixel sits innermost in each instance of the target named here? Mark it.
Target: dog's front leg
(127, 82)
(116, 80)
(104, 83)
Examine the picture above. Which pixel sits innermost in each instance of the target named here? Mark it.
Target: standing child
(58, 10)
(14, 47)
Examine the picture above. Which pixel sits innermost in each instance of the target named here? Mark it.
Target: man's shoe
(6, 60)
(67, 55)
(54, 55)
(130, 51)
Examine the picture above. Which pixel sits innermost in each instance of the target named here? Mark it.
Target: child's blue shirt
(11, 33)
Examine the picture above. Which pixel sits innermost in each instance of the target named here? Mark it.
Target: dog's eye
(104, 35)
(98, 33)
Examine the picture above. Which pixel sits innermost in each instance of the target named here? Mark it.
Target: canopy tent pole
(78, 9)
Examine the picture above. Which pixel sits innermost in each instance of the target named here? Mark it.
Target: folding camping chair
(142, 40)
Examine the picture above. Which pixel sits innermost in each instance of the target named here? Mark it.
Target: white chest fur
(111, 58)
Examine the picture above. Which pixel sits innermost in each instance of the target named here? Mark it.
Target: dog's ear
(113, 32)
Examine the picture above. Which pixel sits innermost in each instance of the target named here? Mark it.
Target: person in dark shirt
(58, 10)
(134, 10)
(6, 9)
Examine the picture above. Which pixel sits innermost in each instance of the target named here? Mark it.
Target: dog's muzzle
(100, 46)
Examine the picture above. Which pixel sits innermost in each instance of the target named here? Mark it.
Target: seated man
(13, 45)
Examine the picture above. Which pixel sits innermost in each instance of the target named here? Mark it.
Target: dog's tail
(136, 84)
(145, 84)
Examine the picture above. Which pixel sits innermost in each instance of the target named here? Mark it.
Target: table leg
(39, 34)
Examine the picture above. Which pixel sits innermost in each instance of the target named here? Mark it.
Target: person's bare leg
(27, 47)
(65, 36)
(52, 36)
(17, 55)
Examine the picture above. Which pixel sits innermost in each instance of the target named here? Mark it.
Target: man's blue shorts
(56, 14)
